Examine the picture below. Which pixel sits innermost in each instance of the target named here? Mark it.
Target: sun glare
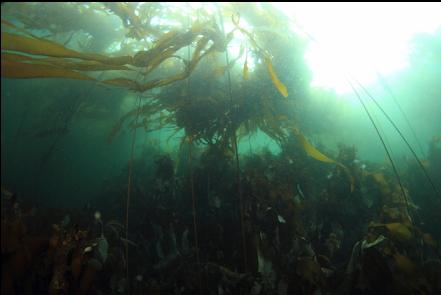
(359, 38)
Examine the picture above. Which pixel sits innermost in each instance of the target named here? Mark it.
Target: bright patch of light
(359, 38)
(192, 8)
(114, 47)
(240, 42)
(194, 5)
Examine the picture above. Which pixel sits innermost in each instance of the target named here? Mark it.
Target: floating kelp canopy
(181, 50)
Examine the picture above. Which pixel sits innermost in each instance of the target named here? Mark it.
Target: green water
(77, 144)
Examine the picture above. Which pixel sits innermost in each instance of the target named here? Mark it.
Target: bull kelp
(183, 148)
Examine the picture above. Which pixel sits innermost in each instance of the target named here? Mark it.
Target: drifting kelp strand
(11, 69)
(277, 83)
(245, 66)
(316, 154)
(40, 46)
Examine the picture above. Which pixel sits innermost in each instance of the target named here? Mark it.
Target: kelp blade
(319, 156)
(399, 230)
(40, 46)
(65, 64)
(124, 82)
(15, 42)
(311, 150)
(245, 67)
(279, 85)
(12, 69)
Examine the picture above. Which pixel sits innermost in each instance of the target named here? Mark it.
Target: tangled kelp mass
(165, 148)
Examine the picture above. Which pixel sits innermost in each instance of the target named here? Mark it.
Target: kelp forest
(179, 148)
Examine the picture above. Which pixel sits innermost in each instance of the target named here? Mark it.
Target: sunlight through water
(359, 38)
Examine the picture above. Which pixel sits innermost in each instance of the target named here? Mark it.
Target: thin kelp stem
(129, 184)
(193, 197)
(435, 189)
(236, 151)
(383, 143)
(391, 94)
(66, 120)
(20, 126)
(195, 229)
(402, 137)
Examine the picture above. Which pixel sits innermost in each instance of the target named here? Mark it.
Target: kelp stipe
(236, 150)
(435, 189)
(385, 85)
(403, 138)
(382, 142)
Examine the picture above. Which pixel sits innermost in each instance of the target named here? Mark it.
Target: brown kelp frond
(264, 54)
(40, 46)
(64, 64)
(148, 61)
(205, 112)
(220, 71)
(319, 156)
(11, 69)
(245, 66)
(277, 83)
(146, 110)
